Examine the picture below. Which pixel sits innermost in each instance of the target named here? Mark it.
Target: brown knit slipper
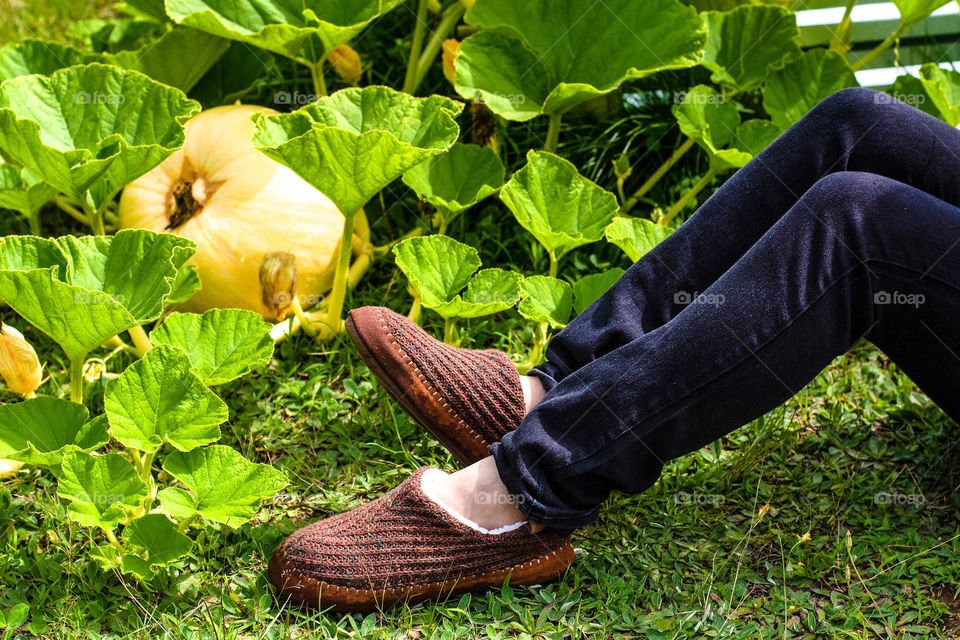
(403, 547)
(467, 399)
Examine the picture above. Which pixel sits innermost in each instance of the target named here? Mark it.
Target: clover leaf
(89, 130)
(803, 83)
(302, 30)
(748, 43)
(589, 288)
(103, 491)
(547, 300)
(41, 430)
(635, 236)
(223, 486)
(562, 209)
(457, 180)
(159, 400)
(535, 57)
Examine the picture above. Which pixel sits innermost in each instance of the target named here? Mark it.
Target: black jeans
(847, 226)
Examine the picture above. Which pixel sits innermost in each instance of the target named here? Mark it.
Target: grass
(834, 516)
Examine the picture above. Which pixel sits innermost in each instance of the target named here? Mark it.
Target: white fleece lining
(425, 487)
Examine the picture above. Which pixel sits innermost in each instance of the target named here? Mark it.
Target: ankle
(533, 391)
(476, 494)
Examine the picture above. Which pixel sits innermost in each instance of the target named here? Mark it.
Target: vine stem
(655, 177)
(34, 219)
(554, 265)
(553, 133)
(415, 308)
(319, 82)
(449, 330)
(416, 47)
(691, 193)
(338, 295)
(448, 23)
(878, 50)
(141, 341)
(113, 539)
(76, 379)
(71, 210)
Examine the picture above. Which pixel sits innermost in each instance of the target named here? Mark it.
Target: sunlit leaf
(546, 299)
(102, 490)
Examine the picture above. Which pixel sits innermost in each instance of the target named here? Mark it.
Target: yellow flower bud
(19, 365)
(278, 282)
(346, 62)
(450, 48)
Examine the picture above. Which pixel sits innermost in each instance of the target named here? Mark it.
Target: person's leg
(812, 286)
(853, 130)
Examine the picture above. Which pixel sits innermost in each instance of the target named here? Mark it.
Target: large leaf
(546, 299)
(562, 209)
(636, 236)
(458, 179)
(82, 291)
(152, 541)
(103, 491)
(745, 45)
(913, 11)
(588, 289)
(354, 143)
(135, 267)
(223, 486)
(89, 130)
(934, 90)
(158, 400)
(711, 120)
(805, 82)
(41, 430)
(233, 76)
(163, 58)
(548, 56)
(222, 344)
(304, 30)
(38, 56)
(20, 191)
(438, 267)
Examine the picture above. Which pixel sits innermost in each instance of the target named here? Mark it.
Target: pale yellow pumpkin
(240, 207)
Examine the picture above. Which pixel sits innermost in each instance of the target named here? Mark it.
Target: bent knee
(851, 104)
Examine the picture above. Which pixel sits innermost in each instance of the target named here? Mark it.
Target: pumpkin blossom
(346, 62)
(19, 365)
(450, 48)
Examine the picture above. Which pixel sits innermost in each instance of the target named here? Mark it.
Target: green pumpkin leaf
(746, 45)
(152, 541)
(438, 267)
(562, 209)
(137, 268)
(458, 179)
(158, 400)
(588, 289)
(39, 431)
(356, 142)
(489, 291)
(224, 486)
(753, 136)
(546, 299)
(803, 83)
(186, 285)
(89, 130)
(38, 56)
(707, 117)
(233, 76)
(76, 318)
(636, 236)
(302, 30)
(535, 57)
(913, 11)
(222, 344)
(162, 58)
(20, 191)
(23, 253)
(934, 90)
(102, 490)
